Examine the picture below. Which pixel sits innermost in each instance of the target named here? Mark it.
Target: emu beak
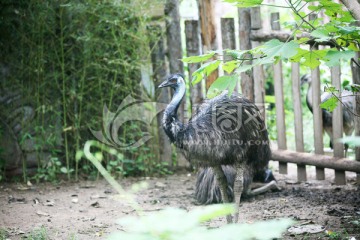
(164, 84)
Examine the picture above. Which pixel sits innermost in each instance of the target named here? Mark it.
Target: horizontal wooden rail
(323, 161)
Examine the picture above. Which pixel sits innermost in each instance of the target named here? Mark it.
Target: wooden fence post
(355, 69)
(337, 119)
(208, 32)
(163, 96)
(279, 99)
(192, 36)
(317, 113)
(259, 77)
(318, 124)
(247, 78)
(299, 137)
(228, 39)
(174, 50)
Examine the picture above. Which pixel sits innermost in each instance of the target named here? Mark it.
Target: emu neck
(171, 123)
(309, 101)
(173, 106)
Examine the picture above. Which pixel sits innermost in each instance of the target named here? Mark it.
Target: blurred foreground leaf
(178, 224)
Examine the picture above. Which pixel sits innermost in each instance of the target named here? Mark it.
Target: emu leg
(238, 190)
(263, 189)
(221, 179)
(346, 146)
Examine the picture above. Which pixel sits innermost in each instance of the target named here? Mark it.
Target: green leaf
(205, 69)
(197, 76)
(274, 48)
(331, 89)
(197, 59)
(321, 35)
(309, 58)
(330, 104)
(334, 56)
(245, 3)
(235, 54)
(222, 83)
(230, 66)
(244, 68)
(211, 66)
(355, 88)
(63, 170)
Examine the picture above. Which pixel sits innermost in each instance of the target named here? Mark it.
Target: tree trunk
(354, 7)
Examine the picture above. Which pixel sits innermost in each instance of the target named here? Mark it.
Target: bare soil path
(88, 210)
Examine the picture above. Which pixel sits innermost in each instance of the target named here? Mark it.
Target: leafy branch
(339, 32)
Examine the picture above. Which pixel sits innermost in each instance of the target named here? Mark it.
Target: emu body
(226, 130)
(347, 98)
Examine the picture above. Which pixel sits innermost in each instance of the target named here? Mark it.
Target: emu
(347, 98)
(227, 130)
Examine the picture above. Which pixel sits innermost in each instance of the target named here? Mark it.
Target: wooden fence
(253, 88)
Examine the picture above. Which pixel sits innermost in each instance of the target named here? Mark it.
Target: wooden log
(247, 78)
(279, 99)
(208, 32)
(337, 119)
(299, 137)
(321, 161)
(192, 36)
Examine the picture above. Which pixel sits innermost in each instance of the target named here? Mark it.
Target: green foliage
(38, 234)
(339, 31)
(68, 59)
(245, 3)
(50, 171)
(197, 59)
(221, 84)
(3, 234)
(172, 223)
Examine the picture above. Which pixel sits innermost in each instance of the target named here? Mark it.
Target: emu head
(173, 81)
(305, 79)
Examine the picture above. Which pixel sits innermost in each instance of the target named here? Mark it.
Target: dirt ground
(87, 210)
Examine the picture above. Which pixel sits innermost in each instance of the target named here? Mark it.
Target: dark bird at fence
(226, 130)
(348, 100)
